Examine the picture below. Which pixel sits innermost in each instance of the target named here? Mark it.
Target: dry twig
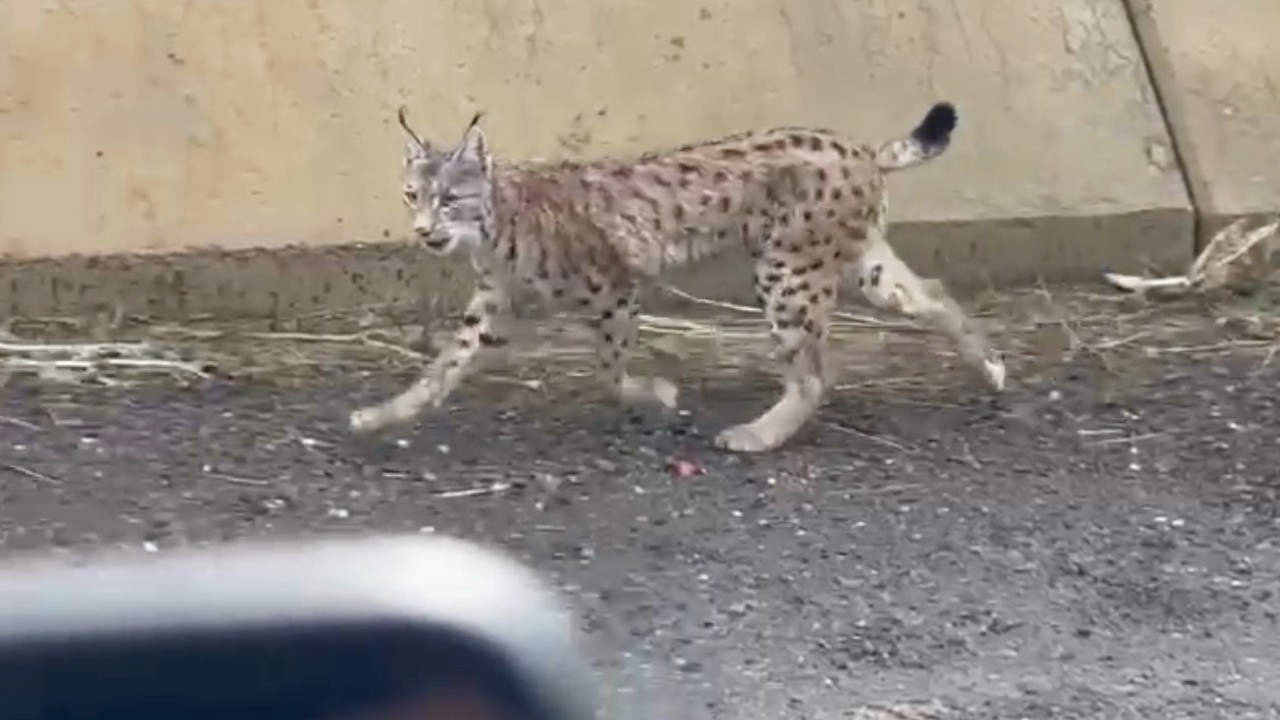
(140, 364)
(1233, 259)
(17, 422)
(868, 436)
(1073, 337)
(492, 489)
(1266, 361)
(850, 320)
(21, 470)
(77, 350)
(360, 338)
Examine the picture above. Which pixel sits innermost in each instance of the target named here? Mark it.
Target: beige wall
(1220, 78)
(164, 124)
(158, 124)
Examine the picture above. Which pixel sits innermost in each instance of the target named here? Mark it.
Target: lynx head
(449, 192)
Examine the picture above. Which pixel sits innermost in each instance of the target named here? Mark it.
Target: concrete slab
(153, 127)
(280, 282)
(1217, 66)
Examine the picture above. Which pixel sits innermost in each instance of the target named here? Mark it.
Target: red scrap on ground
(684, 468)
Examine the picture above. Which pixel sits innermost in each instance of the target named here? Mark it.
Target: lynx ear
(415, 148)
(474, 147)
(413, 151)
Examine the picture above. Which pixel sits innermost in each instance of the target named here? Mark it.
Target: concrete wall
(1219, 73)
(156, 153)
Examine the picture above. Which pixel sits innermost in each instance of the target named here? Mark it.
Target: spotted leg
(616, 324)
(798, 304)
(484, 327)
(888, 283)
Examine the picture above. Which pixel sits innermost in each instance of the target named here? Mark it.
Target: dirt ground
(1101, 541)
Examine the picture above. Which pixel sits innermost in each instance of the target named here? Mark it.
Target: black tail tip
(937, 126)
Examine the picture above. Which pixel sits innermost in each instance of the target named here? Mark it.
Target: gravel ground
(1057, 553)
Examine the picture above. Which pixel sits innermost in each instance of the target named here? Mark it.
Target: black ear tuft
(937, 126)
(421, 147)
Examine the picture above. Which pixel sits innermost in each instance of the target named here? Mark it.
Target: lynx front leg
(616, 327)
(799, 310)
(484, 327)
(888, 283)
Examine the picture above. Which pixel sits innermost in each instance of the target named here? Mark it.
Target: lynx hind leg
(888, 283)
(616, 323)
(798, 306)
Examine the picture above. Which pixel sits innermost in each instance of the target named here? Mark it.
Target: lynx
(809, 206)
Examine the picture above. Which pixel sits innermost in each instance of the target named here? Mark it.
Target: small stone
(688, 666)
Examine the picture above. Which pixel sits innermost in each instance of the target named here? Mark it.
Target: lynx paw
(372, 419)
(748, 438)
(639, 390)
(994, 371)
(365, 420)
(665, 392)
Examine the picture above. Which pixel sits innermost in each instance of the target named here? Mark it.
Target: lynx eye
(411, 196)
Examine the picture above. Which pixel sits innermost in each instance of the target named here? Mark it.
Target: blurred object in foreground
(371, 629)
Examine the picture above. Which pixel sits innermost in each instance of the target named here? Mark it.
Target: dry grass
(1038, 330)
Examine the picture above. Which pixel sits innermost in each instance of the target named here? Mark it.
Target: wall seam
(1142, 39)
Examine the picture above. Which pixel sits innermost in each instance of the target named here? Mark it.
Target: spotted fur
(808, 205)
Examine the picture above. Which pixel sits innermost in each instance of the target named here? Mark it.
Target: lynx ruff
(807, 205)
